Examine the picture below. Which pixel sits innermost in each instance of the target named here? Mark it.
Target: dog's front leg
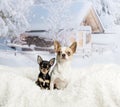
(37, 82)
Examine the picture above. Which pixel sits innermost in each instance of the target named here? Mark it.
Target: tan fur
(60, 84)
(69, 50)
(57, 46)
(51, 62)
(44, 71)
(73, 47)
(47, 81)
(61, 72)
(40, 79)
(44, 81)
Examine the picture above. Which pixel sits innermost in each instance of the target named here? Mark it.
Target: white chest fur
(62, 71)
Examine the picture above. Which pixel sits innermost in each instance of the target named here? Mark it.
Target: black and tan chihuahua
(44, 78)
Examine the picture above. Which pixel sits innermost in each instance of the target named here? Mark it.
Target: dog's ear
(52, 61)
(39, 59)
(57, 46)
(73, 47)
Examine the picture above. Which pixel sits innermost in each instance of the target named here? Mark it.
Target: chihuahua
(60, 76)
(44, 78)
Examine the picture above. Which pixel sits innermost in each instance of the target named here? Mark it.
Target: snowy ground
(93, 86)
(96, 80)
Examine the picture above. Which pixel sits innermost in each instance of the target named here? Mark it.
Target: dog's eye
(41, 66)
(59, 52)
(68, 53)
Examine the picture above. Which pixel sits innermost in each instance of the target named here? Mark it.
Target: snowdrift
(96, 86)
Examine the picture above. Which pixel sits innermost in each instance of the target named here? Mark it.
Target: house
(84, 18)
(87, 16)
(31, 42)
(88, 22)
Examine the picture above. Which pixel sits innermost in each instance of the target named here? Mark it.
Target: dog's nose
(63, 55)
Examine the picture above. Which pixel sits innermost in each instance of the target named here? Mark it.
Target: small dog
(44, 78)
(60, 76)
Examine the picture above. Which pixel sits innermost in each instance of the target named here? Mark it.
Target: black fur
(44, 78)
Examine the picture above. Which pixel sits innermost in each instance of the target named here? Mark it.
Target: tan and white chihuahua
(61, 73)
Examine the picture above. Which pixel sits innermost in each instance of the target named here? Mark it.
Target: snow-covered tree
(107, 10)
(13, 16)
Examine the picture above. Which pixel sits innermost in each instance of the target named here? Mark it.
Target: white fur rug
(96, 86)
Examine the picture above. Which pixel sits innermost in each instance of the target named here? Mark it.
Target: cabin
(84, 18)
(88, 22)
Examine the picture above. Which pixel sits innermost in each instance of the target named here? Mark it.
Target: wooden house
(84, 18)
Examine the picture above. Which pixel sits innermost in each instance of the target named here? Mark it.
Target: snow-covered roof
(39, 15)
(79, 10)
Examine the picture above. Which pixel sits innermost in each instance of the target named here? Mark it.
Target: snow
(13, 16)
(12, 58)
(96, 77)
(95, 81)
(107, 11)
(93, 86)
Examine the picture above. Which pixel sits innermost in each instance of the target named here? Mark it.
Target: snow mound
(96, 86)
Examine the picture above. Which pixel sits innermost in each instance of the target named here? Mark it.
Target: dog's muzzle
(63, 56)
